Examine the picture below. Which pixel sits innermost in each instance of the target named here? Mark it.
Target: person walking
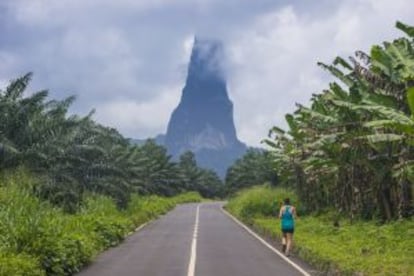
(287, 214)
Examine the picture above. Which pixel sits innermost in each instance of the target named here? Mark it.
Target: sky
(128, 59)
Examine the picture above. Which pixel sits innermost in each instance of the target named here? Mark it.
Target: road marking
(140, 227)
(191, 265)
(301, 270)
(137, 229)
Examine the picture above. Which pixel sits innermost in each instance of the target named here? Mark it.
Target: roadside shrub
(111, 230)
(101, 217)
(19, 265)
(155, 205)
(188, 197)
(259, 201)
(65, 253)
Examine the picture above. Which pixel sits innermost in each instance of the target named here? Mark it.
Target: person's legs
(288, 243)
(284, 241)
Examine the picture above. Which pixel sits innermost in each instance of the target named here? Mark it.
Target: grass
(361, 248)
(258, 202)
(39, 239)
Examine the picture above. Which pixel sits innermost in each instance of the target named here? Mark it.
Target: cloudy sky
(128, 58)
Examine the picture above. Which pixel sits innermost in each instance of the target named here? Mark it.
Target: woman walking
(287, 214)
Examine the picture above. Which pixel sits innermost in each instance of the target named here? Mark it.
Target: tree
(352, 148)
(254, 168)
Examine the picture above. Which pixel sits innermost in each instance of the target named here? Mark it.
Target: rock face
(203, 120)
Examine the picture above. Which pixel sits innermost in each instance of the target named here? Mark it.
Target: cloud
(146, 118)
(128, 59)
(273, 63)
(62, 12)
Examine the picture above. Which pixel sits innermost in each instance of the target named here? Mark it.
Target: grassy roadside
(38, 239)
(361, 248)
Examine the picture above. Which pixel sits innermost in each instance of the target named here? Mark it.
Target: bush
(111, 231)
(156, 205)
(64, 254)
(101, 217)
(188, 197)
(19, 265)
(259, 201)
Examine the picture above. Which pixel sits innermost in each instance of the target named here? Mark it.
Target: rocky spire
(203, 120)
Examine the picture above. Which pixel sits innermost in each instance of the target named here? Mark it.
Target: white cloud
(274, 61)
(40, 12)
(140, 119)
(128, 58)
(187, 47)
(78, 12)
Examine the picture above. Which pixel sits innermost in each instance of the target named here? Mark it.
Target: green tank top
(287, 218)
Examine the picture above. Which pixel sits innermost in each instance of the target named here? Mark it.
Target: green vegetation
(258, 201)
(204, 181)
(75, 156)
(347, 249)
(352, 149)
(40, 239)
(347, 162)
(349, 158)
(255, 166)
(83, 187)
(359, 247)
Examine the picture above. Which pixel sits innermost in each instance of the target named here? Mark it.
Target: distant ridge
(159, 139)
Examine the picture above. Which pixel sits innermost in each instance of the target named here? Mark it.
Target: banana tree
(353, 144)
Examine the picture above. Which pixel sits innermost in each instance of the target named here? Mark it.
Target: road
(191, 240)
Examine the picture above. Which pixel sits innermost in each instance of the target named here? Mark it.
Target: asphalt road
(215, 245)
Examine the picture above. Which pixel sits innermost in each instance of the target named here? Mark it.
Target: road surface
(191, 240)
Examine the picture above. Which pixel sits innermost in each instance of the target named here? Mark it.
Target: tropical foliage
(204, 181)
(259, 201)
(37, 238)
(76, 155)
(253, 168)
(353, 147)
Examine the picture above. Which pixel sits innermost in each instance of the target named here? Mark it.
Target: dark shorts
(284, 231)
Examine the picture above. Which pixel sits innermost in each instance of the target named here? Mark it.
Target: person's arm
(280, 212)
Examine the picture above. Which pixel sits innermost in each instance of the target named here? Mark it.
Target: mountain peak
(205, 70)
(206, 58)
(203, 120)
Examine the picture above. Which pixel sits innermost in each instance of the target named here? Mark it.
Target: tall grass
(259, 201)
(360, 248)
(39, 239)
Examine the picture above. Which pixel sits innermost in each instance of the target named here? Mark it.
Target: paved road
(164, 248)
